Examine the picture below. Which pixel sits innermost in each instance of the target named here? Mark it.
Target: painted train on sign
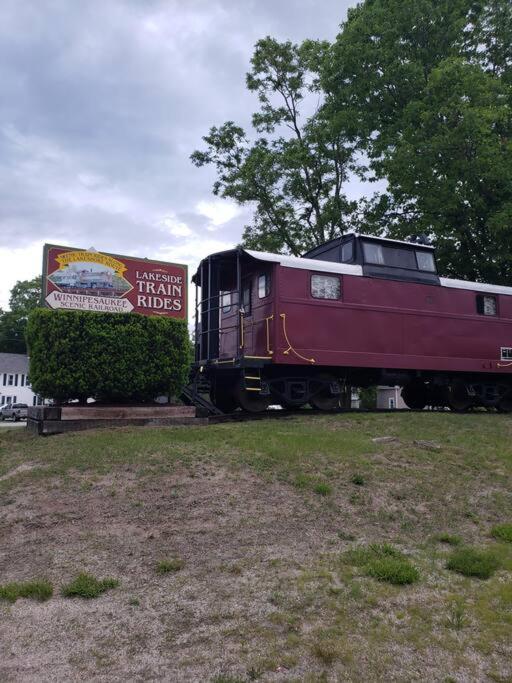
(357, 311)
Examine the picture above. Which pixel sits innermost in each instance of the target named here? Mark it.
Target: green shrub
(35, 590)
(358, 480)
(87, 586)
(108, 356)
(473, 562)
(502, 532)
(383, 562)
(361, 555)
(322, 489)
(448, 539)
(396, 570)
(166, 566)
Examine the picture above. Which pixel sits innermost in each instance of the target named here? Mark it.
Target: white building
(390, 398)
(14, 380)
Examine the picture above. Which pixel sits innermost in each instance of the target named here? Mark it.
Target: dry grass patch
(169, 566)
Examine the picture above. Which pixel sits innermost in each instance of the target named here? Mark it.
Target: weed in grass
(358, 480)
(254, 672)
(322, 489)
(457, 615)
(396, 570)
(473, 562)
(301, 481)
(87, 586)
(276, 598)
(502, 532)
(383, 562)
(346, 537)
(449, 539)
(328, 647)
(134, 602)
(361, 555)
(167, 566)
(40, 590)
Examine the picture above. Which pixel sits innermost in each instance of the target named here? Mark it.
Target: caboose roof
(349, 269)
(306, 263)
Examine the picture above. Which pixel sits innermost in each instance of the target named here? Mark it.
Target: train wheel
(505, 403)
(251, 401)
(223, 398)
(415, 395)
(324, 400)
(459, 400)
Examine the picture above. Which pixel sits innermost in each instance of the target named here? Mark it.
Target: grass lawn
(281, 550)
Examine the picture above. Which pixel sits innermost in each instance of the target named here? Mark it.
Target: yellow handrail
(290, 347)
(503, 365)
(241, 329)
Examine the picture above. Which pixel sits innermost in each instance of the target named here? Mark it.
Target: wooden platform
(59, 419)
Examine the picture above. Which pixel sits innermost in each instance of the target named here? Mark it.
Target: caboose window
(225, 301)
(506, 353)
(263, 285)
(347, 252)
(486, 305)
(373, 253)
(325, 287)
(426, 261)
(246, 299)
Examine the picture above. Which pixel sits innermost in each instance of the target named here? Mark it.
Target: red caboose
(356, 311)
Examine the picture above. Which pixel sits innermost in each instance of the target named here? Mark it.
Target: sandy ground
(248, 600)
(225, 529)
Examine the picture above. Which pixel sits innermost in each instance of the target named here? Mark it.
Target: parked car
(15, 411)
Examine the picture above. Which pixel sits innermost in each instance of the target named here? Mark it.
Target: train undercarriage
(254, 388)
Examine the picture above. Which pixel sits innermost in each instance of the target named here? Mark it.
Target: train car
(357, 311)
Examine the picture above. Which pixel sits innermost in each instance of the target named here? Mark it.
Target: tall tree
(294, 170)
(25, 296)
(424, 89)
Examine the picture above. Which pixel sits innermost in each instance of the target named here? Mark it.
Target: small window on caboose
(426, 261)
(246, 298)
(225, 299)
(506, 353)
(347, 251)
(263, 285)
(325, 287)
(486, 304)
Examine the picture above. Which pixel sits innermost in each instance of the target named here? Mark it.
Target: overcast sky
(102, 103)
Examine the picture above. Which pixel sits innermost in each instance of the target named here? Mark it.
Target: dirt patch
(24, 467)
(228, 530)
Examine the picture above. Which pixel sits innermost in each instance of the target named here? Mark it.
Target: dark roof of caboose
(318, 265)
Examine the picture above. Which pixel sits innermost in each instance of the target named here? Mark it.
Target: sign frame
(46, 291)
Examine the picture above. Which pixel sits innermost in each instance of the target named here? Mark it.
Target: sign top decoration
(88, 280)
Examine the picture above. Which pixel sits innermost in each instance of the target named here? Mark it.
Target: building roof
(14, 363)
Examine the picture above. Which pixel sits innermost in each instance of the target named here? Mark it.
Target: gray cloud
(102, 104)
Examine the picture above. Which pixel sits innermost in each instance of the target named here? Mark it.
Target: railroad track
(244, 416)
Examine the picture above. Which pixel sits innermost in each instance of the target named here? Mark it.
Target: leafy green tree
(25, 297)
(293, 172)
(424, 90)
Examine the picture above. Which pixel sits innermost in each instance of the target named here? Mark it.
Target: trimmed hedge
(108, 356)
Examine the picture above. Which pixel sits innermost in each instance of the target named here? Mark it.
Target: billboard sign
(89, 280)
